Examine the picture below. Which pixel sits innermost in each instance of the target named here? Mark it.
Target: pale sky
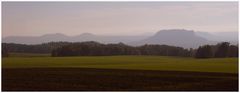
(116, 18)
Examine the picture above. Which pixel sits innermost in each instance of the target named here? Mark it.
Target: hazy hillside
(105, 39)
(77, 38)
(35, 40)
(220, 36)
(175, 37)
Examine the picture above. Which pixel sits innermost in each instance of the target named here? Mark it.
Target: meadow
(224, 65)
(118, 73)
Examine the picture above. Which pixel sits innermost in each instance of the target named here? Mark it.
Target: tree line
(220, 50)
(97, 49)
(37, 48)
(92, 48)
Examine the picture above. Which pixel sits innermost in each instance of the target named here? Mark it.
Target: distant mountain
(175, 37)
(220, 36)
(106, 39)
(77, 38)
(35, 40)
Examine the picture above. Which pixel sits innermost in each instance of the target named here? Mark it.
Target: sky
(116, 18)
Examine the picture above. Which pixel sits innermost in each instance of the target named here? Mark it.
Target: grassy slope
(226, 65)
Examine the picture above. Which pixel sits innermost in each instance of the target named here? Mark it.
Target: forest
(92, 48)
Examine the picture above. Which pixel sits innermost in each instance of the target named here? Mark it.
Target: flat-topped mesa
(175, 32)
(86, 34)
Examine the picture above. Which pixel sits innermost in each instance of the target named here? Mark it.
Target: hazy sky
(116, 18)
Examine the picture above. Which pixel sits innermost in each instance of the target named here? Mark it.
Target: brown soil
(89, 79)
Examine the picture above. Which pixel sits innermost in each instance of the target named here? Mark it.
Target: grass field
(119, 73)
(225, 65)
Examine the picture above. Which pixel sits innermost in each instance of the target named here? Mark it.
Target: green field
(224, 65)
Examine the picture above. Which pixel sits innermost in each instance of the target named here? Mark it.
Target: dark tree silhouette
(204, 52)
(232, 51)
(222, 50)
(38, 48)
(97, 49)
(92, 48)
(4, 50)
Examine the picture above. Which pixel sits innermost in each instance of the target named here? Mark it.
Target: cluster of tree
(92, 48)
(96, 49)
(220, 50)
(4, 51)
(38, 48)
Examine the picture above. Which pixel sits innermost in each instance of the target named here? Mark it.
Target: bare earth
(90, 79)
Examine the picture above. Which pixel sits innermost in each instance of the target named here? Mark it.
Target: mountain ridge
(177, 37)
